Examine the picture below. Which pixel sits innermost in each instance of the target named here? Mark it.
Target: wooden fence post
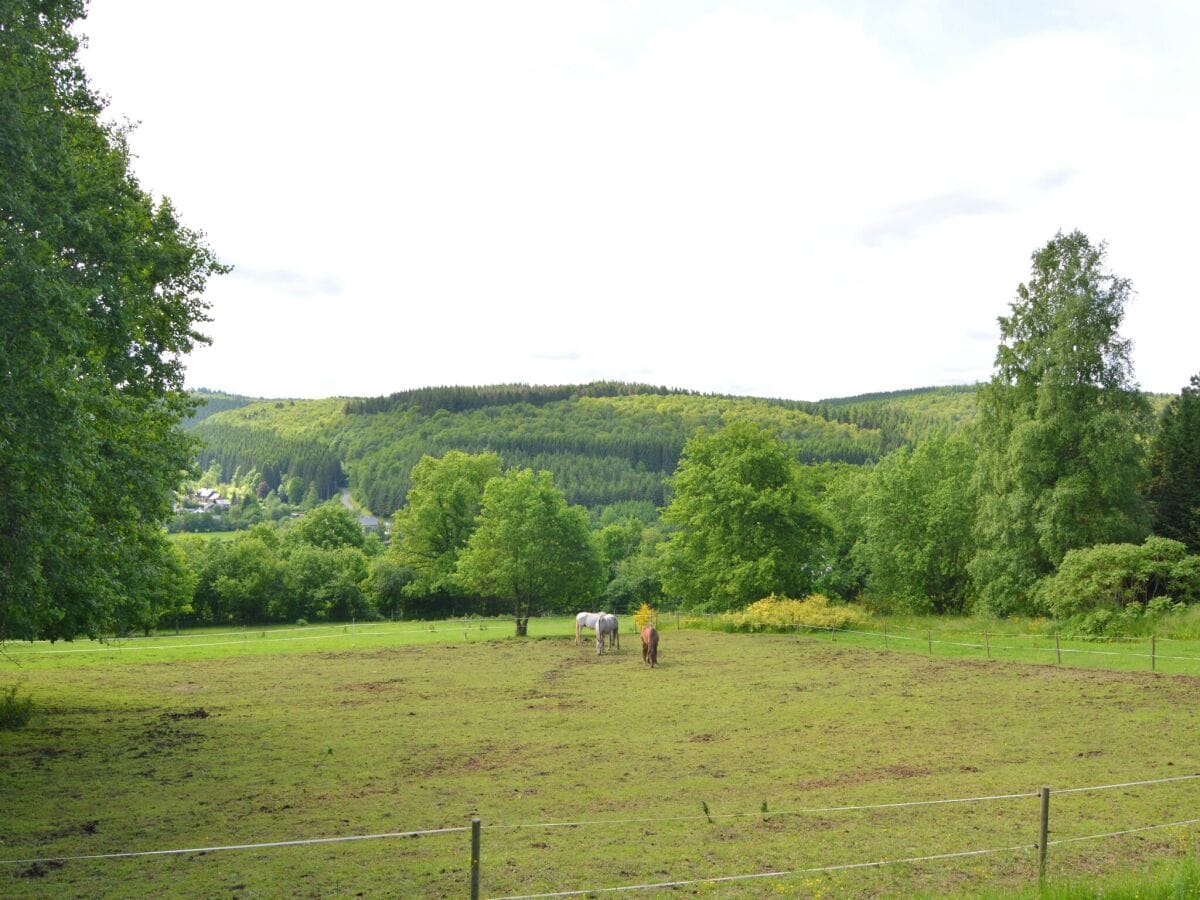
(929, 638)
(885, 635)
(1043, 832)
(475, 841)
(1057, 648)
(987, 645)
(1153, 660)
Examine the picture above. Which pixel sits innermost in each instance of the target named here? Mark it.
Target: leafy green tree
(842, 495)
(248, 577)
(100, 294)
(293, 490)
(919, 511)
(386, 582)
(1174, 487)
(635, 579)
(1061, 428)
(531, 548)
(323, 583)
(619, 541)
(329, 526)
(440, 514)
(747, 521)
(162, 589)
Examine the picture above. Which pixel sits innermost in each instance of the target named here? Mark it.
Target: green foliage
(278, 457)
(917, 538)
(1174, 486)
(100, 295)
(1117, 576)
(531, 548)
(902, 418)
(432, 529)
(323, 583)
(1061, 427)
(457, 399)
(605, 445)
(842, 501)
(15, 710)
(248, 579)
(387, 581)
(208, 403)
(330, 527)
(629, 552)
(747, 521)
(784, 614)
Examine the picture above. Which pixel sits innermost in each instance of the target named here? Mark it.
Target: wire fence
(990, 644)
(475, 855)
(256, 636)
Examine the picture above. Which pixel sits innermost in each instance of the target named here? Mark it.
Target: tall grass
(15, 711)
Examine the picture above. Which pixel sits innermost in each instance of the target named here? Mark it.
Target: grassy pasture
(214, 739)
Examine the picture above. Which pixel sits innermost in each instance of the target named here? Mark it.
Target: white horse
(607, 625)
(586, 620)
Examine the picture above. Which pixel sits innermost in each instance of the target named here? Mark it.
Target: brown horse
(650, 645)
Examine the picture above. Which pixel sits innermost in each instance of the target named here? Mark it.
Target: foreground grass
(192, 747)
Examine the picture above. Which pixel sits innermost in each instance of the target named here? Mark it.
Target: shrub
(1118, 576)
(15, 712)
(782, 613)
(644, 616)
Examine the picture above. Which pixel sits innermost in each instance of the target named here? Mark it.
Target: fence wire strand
(260, 846)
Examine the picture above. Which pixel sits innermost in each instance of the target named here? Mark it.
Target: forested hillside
(604, 442)
(211, 402)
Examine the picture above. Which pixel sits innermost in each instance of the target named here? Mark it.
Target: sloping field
(739, 755)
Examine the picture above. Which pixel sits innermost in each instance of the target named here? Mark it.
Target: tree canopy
(1174, 487)
(531, 548)
(1062, 426)
(747, 524)
(100, 295)
(918, 516)
(434, 526)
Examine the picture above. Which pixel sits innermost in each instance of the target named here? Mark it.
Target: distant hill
(210, 402)
(605, 442)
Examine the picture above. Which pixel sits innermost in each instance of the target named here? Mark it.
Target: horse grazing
(585, 620)
(607, 625)
(650, 645)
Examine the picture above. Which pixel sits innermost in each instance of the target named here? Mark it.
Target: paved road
(365, 521)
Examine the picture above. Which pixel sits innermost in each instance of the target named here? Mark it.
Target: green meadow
(739, 755)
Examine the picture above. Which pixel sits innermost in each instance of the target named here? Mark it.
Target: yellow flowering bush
(781, 613)
(644, 616)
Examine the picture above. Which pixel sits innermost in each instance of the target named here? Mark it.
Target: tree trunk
(522, 627)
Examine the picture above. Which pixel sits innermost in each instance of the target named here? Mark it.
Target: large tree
(531, 548)
(918, 514)
(438, 517)
(1062, 427)
(100, 293)
(747, 523)
(1174, 487)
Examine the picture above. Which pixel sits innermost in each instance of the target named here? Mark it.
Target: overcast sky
(800, 200)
